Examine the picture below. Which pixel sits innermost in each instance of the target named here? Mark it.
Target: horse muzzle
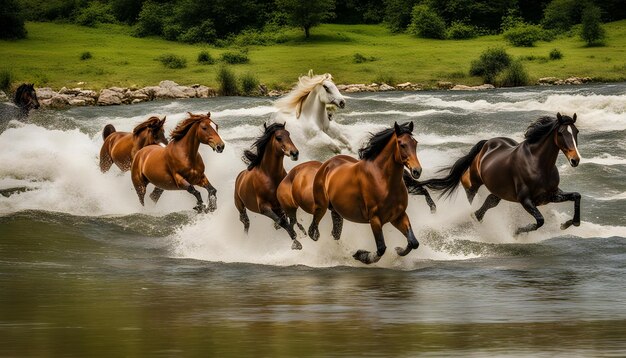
(416, 172)
(574, 162)
(219, 148)
(341, 104)
(293, 155)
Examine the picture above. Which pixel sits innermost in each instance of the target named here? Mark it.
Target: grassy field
(51, 57)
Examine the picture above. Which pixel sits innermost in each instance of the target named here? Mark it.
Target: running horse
(370, 190)
(179, 166)
(120, 147)
(524, 172)
(296, 191)
(255, 187)
(24, 101)
(309, 101)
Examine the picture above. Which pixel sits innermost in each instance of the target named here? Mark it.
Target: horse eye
(326, 88)
(279, 138)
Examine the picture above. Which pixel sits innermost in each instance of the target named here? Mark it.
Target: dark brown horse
(26, 99)
(255, 187)
(519, 172)
(120, 147)
(178, 166)
(370, 190)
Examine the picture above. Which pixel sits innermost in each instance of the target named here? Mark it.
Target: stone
(444, 85)
(75, 101)
(168, 84)
(3, 97)
(547, 81)
(472, 88)
(58, 101)
(385, 87)
(109, 97)
(45, 93)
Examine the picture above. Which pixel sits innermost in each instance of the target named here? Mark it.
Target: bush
(270, 35)
(249, 84)
(491, 62)
(524, 35)
(150, 21)
(592, 31)
(227, 82)
(205, 58)
(6, 78)
(11, 20)
(172, 61)
(426, 23)
(171, 31)
(561, 15)
(85, 56)
(205, 32)
(511, 20)
(514, 75)
(555, 54)
(235, 58)
(358, 58)
(385, 78)
(461, 31)
(95, 13)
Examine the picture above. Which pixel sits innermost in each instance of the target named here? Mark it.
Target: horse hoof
(276, 226)
(314, 238)
(567, 224)
(474, 217)
(433, 209)
(199, 208)
(576, 223)
(296, 245)
(210, 209)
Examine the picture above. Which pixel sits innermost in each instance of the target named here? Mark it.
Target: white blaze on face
(214, 125)
(569, 129)
(162, 144)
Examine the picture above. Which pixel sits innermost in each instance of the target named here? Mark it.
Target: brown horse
(255, 187)
(121, 147)
(370, 190)
(296, 191)
(25, 99)
(178, 166)
(525, 173)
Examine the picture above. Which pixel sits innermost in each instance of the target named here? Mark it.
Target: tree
(425, 22)
(592, 31)
(307, 13)
(11, 20)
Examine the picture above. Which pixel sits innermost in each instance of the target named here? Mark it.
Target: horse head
(157, 132)
(329, 94)
(281, 143)
(566, 138)
(26, 97)
(207, 133)
(407, 149)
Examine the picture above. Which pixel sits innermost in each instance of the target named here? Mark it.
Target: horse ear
(559, 117)
(163, 120)
(190, 114)
(208, 114)
(264, 125)
(574, 118)
(411, 126)
(396, 127)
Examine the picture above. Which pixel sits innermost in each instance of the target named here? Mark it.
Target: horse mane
(306, 84)
(146, 124)
(23, 88)
(378, 141)
(183, 127)
(544, 125)
(254, 159)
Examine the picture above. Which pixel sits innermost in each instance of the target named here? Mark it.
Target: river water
(85, 270)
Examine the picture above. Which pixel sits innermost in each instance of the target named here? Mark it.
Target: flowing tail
(448, 184)
(108, 129)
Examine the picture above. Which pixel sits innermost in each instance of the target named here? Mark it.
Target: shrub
(592, 31)
(205, 32)
(271, 34)
(235, 58)
(561, 15)
(171, 31)
(172, 61)
(205, 58)
(85, 56)
(461, 31)
(227, 82)
(11, 20)
(511, 20)
(94, 13)
(249, 84)
(491, 62)
(524, 35)
(358, 58)
(385, 78)
(425, 22)
(555, 54)
(6, 78)
(150, 20)
(514, 75)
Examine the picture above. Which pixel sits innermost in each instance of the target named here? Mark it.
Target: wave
(605, 159)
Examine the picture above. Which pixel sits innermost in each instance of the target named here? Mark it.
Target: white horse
(309, 99)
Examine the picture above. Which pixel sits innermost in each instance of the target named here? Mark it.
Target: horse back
(152, 163)
(296, 190)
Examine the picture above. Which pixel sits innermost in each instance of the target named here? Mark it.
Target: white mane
(293, 100)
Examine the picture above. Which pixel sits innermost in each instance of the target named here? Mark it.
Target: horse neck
(190, 142)
(313, 108)
(388, 161)
(545, 152)
(272, 163)
(141, 140)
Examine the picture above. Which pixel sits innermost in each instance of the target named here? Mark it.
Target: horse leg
(314, 230)
(282, 221)
(403, 224)
(183, 183)
(105, 160)
(212, 194)
(337, 224)
(293, 219)
(156, 194)
(491, 202)
(532, 210)
(367, 257)
(560, 197)
(140, 182)
(471, 183)
(420, 190)
(243, 215)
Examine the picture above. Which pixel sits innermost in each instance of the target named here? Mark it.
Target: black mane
(378, 141)
(254, 159)
(23, 88)
(543, 126)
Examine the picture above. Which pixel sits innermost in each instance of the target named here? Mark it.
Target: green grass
(51, 57)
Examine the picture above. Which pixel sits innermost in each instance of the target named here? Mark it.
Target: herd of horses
(371, 189)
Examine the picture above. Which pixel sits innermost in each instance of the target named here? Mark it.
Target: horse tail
(108, 129)
(448, 184)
